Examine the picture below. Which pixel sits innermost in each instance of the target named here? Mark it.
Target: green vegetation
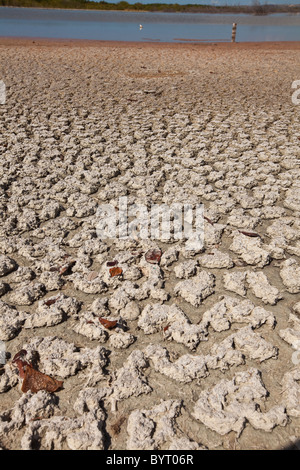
(255, 8)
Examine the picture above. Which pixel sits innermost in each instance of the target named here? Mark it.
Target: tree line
(256, 8)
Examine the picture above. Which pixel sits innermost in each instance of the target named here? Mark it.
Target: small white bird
(141, 26)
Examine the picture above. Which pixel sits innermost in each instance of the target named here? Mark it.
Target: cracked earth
(203, 352)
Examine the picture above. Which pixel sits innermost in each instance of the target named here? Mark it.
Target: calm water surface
(125, 26)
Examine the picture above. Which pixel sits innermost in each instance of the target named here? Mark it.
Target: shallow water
(125, 26)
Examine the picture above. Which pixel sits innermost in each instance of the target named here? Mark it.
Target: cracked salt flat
(205, 352)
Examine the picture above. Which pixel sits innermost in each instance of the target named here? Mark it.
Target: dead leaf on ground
(111, 263)
(20, 361)
(153, 256)
(117, 271)
(208, 220)
(51, 301)
(66, 269)
(53, 269)
(249, 234)
(20, 355)
(108, 323)
(35, 381)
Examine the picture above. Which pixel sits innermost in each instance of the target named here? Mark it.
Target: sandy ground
(205, 351)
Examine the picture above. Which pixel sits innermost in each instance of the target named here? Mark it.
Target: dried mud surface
(204, 354)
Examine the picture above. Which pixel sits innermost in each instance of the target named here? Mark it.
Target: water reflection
(124, 26)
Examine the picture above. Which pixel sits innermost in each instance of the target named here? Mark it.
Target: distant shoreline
(35, 42)
(78, 5)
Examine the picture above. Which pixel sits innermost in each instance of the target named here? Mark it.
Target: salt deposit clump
(11, 321)
(7, 265)
(229, 310)
(195, 290)
(292, 334)
(291, 392)
(84, 431)
(172, 322)
(290, 275)
(251, 250)
(30, 406)
(156, 427)
(230, 352)
(52, 311)
(216, 259)
(60, 358)
(27, 293)
(129, 380)
(231, 403)
(240, 281)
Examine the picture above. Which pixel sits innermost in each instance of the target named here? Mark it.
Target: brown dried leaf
(115, 271)
(208, 220)
(20, 355)
(153, 256)
(21, 367)
(66, 269)
(107, 323)
(20, 362)
(53, 269)
(249, 234)
(112, 263)
(51, 301)
(35, 381)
